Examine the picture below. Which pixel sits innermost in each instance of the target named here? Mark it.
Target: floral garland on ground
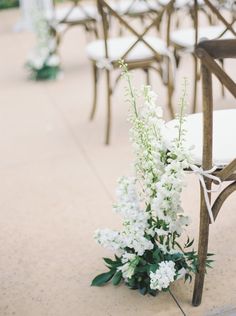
(148, 256)
(43, 62)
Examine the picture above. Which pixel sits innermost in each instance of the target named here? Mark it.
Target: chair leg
(108, 122)
(222, 86)
(95, 83)
(147, 76)
(202, 252)
(170, 89)
(195, 85)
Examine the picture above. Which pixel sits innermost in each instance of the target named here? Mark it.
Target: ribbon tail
(207, 201)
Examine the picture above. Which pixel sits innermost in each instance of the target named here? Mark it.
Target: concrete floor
(57, 186)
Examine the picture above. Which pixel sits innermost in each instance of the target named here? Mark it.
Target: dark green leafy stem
(45, 73)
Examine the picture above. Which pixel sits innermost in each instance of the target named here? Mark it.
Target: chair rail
(224, 48)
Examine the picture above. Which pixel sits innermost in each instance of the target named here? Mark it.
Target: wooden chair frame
(106, 10)
(130, 13)
(195, 16)
(207, 52)
(90, 24)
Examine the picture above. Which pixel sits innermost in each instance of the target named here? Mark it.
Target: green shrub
(5, 4)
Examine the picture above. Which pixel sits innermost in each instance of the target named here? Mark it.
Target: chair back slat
(75, 4)
(219, 49)
(107, 10)
(229, 26)
(208, 51)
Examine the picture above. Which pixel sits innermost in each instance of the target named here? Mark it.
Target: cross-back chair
(184, 40)
(138, 49)
(75, 13)
(134, 8)
(213, 135)
(215, 123)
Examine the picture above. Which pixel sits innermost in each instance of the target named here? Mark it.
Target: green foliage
(6, 4)
(149, 262)
(103, 278)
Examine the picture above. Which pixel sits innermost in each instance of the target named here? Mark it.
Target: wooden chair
(139, 51)
(185, 40)
(213, 135)
(224, 121)
(134, 8)
(76, 13)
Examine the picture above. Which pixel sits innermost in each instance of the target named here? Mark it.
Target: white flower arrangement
(43, 62)
(148, 255)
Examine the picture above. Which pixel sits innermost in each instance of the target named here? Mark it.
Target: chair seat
(186, 37)
(118, 46)
(134, 6)
(78, 14)
(224, 131)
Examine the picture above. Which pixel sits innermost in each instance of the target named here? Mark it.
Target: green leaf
(189, 244)
(142, 269)
(143, 290)
(153, 267)
(103, 278)
(156, 254)
(188, 277)
(117, 278)
(111, 263)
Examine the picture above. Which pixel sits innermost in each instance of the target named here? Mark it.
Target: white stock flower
(109, 239)
(178, 225)
(127, 257)
(130, 262)
(163, 276)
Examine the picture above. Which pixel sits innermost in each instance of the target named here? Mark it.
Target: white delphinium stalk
(146, 135)
(110, 239)
(135, 222)
(150, 202)
(163, 276)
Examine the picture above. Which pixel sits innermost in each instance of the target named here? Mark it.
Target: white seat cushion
(77, 14)
(224, 132)
(134, 6)
(186, 37)
(119, 45)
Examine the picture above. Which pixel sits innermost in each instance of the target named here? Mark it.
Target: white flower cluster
(147, 142)
(135, 222)
(44, 53)
(150, 202)
(110, 239)
(130, 262)
(160, 171)
(163, 276)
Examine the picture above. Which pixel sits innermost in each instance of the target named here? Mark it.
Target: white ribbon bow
(207, 174)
